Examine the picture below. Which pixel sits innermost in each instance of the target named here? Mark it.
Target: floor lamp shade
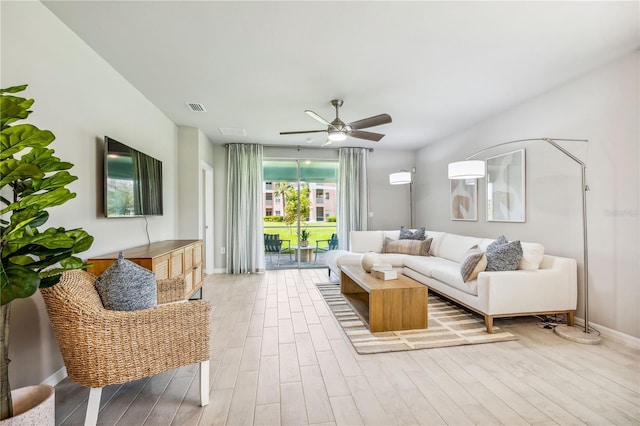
(400, 178)
(468, 169)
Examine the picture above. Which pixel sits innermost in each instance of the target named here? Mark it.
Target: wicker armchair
(102, 347)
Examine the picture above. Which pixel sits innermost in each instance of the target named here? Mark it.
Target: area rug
(449, 325)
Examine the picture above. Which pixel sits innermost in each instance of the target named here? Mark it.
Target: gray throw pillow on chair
(126, 286)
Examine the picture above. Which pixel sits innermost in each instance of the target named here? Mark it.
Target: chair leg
(204, 383)
(93, 406)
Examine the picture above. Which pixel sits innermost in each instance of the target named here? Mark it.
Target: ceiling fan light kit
(337, 130)
(337, 136)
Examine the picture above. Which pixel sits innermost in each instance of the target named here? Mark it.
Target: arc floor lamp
(475, 169)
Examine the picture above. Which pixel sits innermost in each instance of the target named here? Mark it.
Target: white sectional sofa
(542, 284)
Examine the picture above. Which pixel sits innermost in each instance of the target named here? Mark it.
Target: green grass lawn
(318, 230)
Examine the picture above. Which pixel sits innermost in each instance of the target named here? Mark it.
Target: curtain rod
(299, 147)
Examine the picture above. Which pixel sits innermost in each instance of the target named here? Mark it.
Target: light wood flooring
(279, 357)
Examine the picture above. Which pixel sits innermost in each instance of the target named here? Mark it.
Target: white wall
(603, 107)
(80, 98)
(194, 152)
(188, 183)
(389, 204)
(220, 206)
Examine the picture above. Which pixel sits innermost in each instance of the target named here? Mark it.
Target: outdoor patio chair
(274, 245)
(332, 244)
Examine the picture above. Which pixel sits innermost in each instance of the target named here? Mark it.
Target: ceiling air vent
(195, 107)
(232, 131)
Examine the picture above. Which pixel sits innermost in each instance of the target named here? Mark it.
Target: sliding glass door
(300, 207)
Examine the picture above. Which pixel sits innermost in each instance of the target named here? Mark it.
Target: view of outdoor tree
(290, 194)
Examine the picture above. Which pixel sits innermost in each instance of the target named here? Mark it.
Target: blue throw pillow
(126, 286)
(503, 255)
(407, 234)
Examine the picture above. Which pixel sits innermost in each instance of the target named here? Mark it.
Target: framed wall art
(506, 187)
(464, 199)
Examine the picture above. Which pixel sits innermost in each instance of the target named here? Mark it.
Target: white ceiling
(435, 67)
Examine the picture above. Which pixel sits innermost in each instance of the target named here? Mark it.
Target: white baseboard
(56, 377)
(611, 334)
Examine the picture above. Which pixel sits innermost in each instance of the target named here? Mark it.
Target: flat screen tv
(133, 181)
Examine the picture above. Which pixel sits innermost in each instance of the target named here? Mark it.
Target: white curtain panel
(245, 243)
(353, 193)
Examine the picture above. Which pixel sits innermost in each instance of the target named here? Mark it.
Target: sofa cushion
(394, 235)
(454, 247)
(473, 263)
(437, 241)
(450, 275)
(413, 247)
(364, 241)
(408, 234)
(426, 265)
(126, 286)
(503, 255)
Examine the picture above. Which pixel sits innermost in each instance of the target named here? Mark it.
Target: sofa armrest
(553, 288)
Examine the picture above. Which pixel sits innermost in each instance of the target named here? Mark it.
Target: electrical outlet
(223, 250)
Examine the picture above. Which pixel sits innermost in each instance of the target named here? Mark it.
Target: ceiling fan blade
(376, 120)
(302, 131)
(317, 117)
(370, 136)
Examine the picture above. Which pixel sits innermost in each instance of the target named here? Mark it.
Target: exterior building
(323, 201)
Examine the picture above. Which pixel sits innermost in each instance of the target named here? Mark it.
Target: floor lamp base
(577, 334)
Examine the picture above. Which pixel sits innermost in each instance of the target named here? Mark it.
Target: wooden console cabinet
(167, 259)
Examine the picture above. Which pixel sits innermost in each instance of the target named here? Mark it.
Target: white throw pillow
(532, 254)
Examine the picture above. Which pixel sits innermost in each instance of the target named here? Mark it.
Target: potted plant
(304, 238)
(32, 180)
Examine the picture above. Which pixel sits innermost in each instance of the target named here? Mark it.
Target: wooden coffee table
(399, 304)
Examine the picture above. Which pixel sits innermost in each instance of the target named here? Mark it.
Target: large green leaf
(83, 240)
(72, 262)
(54, 181)
(48, 257)
(48, 199)
(44, 159)
(22, 260)
(11, 111)
(14, 89)
(49, 281)
(16, 138)
(12, 170)
(16, 282)
(52, 238)
(31, 216)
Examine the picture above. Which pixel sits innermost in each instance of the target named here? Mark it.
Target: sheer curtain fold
(353, 190)
(244, 209)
